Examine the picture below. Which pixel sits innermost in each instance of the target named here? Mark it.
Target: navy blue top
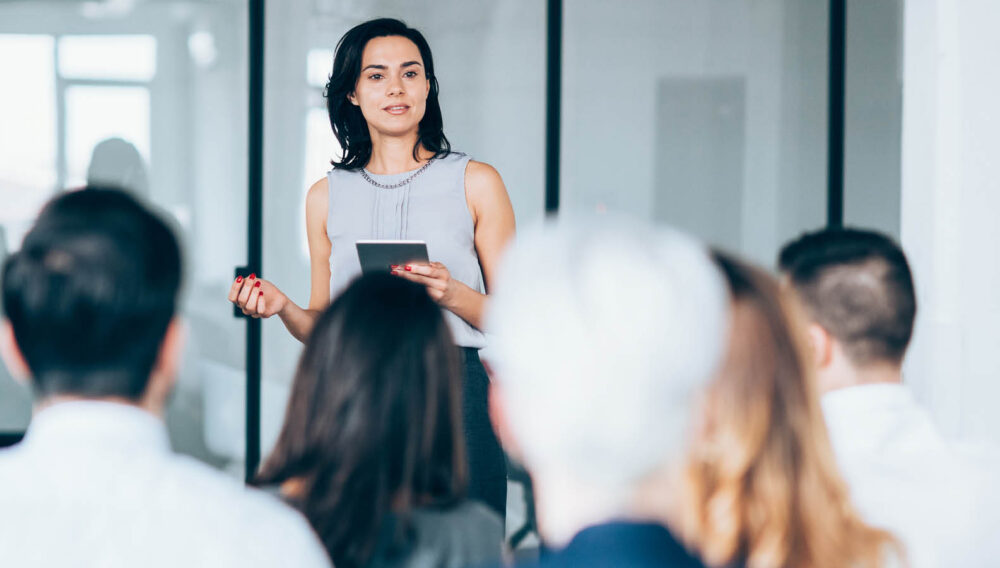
(620, 544)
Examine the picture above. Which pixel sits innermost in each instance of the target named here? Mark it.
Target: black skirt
(486, 460)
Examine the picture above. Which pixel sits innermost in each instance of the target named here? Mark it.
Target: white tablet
(378, 256)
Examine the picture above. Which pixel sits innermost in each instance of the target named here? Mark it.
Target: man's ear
(11, 353)
(822, 345)
(164, 374)
(498, 417)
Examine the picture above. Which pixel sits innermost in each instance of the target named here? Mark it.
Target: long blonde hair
(761, 483)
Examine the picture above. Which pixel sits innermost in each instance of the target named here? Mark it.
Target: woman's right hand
(257, 297)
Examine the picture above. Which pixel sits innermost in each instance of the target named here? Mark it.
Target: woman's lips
(396, 109)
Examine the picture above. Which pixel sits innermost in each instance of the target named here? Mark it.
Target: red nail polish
(257, 284)
(393, 266)
(239, 279)
(252, 275)
(409, 268)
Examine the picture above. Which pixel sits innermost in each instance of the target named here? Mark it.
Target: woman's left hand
(435, 277)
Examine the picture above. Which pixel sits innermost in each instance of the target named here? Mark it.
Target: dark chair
(517, 474)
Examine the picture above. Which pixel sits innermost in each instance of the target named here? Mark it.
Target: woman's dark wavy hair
(349, 125)
(373, 425)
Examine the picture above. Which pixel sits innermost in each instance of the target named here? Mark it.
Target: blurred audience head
(373, 425)
(857, 292)
(761, 486)
(603, 332)
(116, 162)
(89, 300)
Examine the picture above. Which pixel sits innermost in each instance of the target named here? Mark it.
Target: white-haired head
(603, 333)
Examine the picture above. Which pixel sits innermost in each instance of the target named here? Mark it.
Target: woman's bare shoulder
(477, 173)
(318, 196)
(483, 183)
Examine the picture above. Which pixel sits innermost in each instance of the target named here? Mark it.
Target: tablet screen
(378, 256)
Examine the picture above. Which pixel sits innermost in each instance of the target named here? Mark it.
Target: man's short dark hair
(91, 293)
(857, 285)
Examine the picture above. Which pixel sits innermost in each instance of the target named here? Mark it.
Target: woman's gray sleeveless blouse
(430, 208)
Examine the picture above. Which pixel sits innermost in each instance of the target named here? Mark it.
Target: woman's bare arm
(297, 320)
(260, 298)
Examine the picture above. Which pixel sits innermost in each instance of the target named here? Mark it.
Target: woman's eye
(375, 76)
(410, 74)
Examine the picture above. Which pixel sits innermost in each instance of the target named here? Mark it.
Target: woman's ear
(352, 98)
(11, 354)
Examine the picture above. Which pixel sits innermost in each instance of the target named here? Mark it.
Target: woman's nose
(396, 86)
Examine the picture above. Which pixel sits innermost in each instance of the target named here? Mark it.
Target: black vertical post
(553, 104)
(255, 196)
(835, 128)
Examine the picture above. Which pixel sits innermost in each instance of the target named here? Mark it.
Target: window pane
(184, 132)
(27, 131)
(126, 57)
(319, 62)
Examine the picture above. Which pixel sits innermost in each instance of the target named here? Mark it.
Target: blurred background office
(716, 115)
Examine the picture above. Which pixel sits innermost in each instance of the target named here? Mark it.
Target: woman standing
(399, 179)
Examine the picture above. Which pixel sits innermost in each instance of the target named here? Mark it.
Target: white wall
(950, 200)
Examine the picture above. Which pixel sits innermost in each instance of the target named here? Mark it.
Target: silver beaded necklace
(368, 178)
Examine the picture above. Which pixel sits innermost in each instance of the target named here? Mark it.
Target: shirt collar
(92, 423)
(866, 416)
(867, 398)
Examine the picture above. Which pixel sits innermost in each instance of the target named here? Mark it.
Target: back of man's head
(90, 294)
(856, 285)
(604, 332)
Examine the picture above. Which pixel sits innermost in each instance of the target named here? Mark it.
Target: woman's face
(393, 86)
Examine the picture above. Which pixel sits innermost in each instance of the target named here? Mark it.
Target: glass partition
(152, 96)
(710, 116)
(707, 115)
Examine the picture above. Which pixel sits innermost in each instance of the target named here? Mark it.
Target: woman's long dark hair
(373, 425)
(349, 125)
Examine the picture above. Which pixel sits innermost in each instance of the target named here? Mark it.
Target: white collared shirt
(905, 477)
(96, 484)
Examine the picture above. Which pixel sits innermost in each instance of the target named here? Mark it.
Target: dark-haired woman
(399, 179)
(371, 450)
